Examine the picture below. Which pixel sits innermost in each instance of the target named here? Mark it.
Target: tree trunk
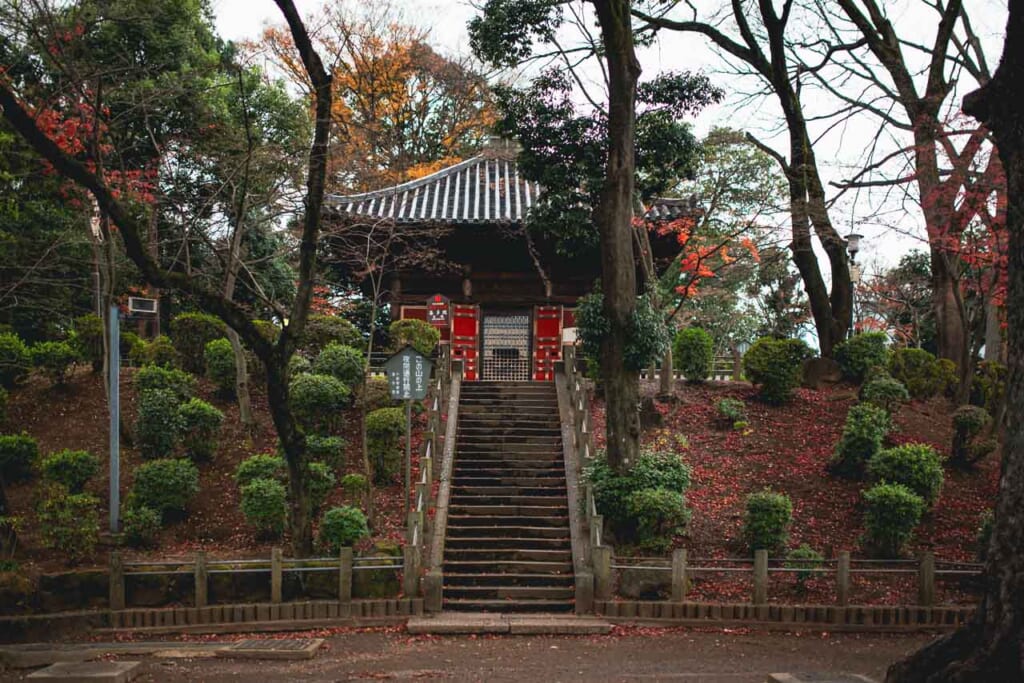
(993, 332)
(614, 218)
(949, 324)
(989, 648)
(245, 414)
(666, 383)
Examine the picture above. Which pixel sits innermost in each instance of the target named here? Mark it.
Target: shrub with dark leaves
(766, 525)
(18, 455)
(219, 357)
(341, 527)
(892, 512)
(862, 352)
(200, 423)
(70, 469)
(166, 486)
(265, 506)
(774, 366)
(865, 429)
(191, 333)
(693, 353)
(916, 466)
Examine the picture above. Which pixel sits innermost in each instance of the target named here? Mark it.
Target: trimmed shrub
(885, 392)
(919, 372)
(418, 334)
(200, 423)
(384, 431)
(265, 506)
(968, 423)
(862, 352)
(69, 523)
(354, 485)
(319, 483)
(165, 485)
(317, 402)
(375, 394)
(89, 339)
(132, 347)
(767, 521)
(155, 377)
(949, 378)
(807, 562)
(916, 466)
(191, 333)
(299, 365)
(865, 428)
(160, 351)
(342, 363)
(693, 351)
(329, 450)
(261, 466)
(730, 411)
(321, 330)
(158, 425)
(15, 361)
(988, 386)
(70, 469)
(891, 514)
(649, 336)
(219, 358)
(18, 455)
(660, 514)
(341, 527)
(141, 526)
(612, 491)
(774, 365)
(55, 359)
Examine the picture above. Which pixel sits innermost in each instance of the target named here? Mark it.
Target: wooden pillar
(926, 580)
(116, 597)
(411, 570)
(679, 575)
(201, 579)
(602, 558)
(843, 579)
(275, 575)
(760, 577)
(345, 575)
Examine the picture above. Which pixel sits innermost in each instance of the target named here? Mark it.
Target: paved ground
(639, 655)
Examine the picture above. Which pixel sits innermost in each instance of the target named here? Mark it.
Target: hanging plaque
(438, 311)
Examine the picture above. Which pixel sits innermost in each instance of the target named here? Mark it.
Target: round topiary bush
(265, 506)
(321, 330)
(418, 334)
(384, 431)
(299, 365)
(89, 339)
(807, 562)
(885, 392)
(376, 394)
(200, 423)
(261, 466)
(69, 523)
(70, 469)
(317, 402)
(18, 455)
(219, 357)
(988, 386)
(155, 377)
(968, 423)
(141, 526)
(55, 359)
(774, 366)
(165, 485)
(319, 483)
(862, 352)
(865, 428)
(160, 352)
(892, 512)
(919, 372)
(15, 361)
(341, 527)
(767, 521)
(660, 514)
(158, 425)
(354, 485)
(344, 363)
(329, 450)
(916, 466)
(191, 333)
(693, 352)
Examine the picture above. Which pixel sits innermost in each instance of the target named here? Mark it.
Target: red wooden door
(547, 341)
(466, 339)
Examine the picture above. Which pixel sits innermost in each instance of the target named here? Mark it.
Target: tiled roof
(483, 189)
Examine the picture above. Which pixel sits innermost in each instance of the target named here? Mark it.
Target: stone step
(542, 520)
(507, 543)
(519, 606)
(518, 448)
(511, 500)
(479, 490)
(500, 510)
(485, 579)
(550, 439)
(505, 532)
(491, 469)
(469, 477)
(534, 404)
(563, 568)
(507, 555)
(457, 592)
(466, 430)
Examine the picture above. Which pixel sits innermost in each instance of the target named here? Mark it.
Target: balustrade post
(345, 575)
(200, 579)
(275, 575)
(843, 579)
(117, 591)
(602, 559)
(411, 570)
(679, 575)
(926, 580)
(760, 577)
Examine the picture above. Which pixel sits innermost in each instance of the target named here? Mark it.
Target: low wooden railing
(724, 368)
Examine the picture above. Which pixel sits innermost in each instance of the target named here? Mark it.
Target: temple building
(503, 298)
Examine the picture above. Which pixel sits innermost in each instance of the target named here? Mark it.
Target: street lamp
(853, 246)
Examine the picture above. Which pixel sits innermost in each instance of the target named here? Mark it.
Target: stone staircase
(507, 544)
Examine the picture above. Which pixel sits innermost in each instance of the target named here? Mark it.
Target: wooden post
(345, 575)
(116, 581)
(679, 575)
(200, 579)
(411, 570)
(275, 575)
(760, 577)
(602, 557)
(926, 580)
(737, 365)
(843, 579)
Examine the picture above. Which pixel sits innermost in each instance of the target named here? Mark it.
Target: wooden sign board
(408, 374)
(438, 311)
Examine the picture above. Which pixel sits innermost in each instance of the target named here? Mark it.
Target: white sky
(837, 153)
